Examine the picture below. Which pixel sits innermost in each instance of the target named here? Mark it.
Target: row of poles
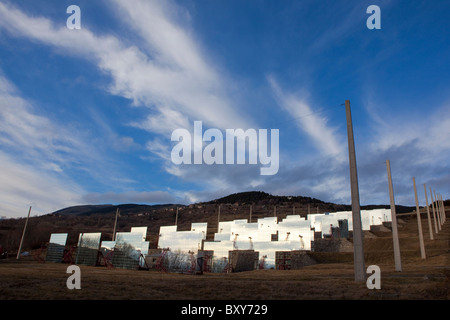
(436, 202)
(438, 215)
(439, 218)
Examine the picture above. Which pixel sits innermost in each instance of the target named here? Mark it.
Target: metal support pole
(397, 257)
(23, 234)
(419, 223)
(358, 249)
(428, 213)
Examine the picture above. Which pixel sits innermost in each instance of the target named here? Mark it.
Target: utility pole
(397, 257)
(23, 234)
(115, 225)
(428, 213)
(419, 223)
(358, 249)
(250, 221)
(176, 218)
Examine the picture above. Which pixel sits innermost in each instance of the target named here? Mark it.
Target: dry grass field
(330, 279)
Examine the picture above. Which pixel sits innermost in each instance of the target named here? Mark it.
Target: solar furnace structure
(323, 222)
(183, 246)
(87, 249)
(183, 241)
(56, 246)
(129, 249)
(267, 236)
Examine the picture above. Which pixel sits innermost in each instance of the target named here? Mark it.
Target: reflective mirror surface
(183, 241)
(56, 246)
(87, 249)
(268, 235)
(127, 250)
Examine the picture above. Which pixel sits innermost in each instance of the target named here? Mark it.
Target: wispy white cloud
(168, 73)
(36, 152)
(157, 123)
(34, 137)
(176, 77)
(325, 138)
(428, 131)
(26, 185)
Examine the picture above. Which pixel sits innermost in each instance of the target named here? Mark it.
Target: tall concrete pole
(250, 220)
(438, 211)
(428, 213)
(419, 223)
(176, 218)
(218, 219)
(434, 213)
(358, 247)
(23, 234)
(442, 208)
(438, 199)
(397, 257)
(115, 225)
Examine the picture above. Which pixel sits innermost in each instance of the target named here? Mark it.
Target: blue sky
(86, 115)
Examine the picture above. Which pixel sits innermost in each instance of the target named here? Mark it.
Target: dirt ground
(333, 278)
